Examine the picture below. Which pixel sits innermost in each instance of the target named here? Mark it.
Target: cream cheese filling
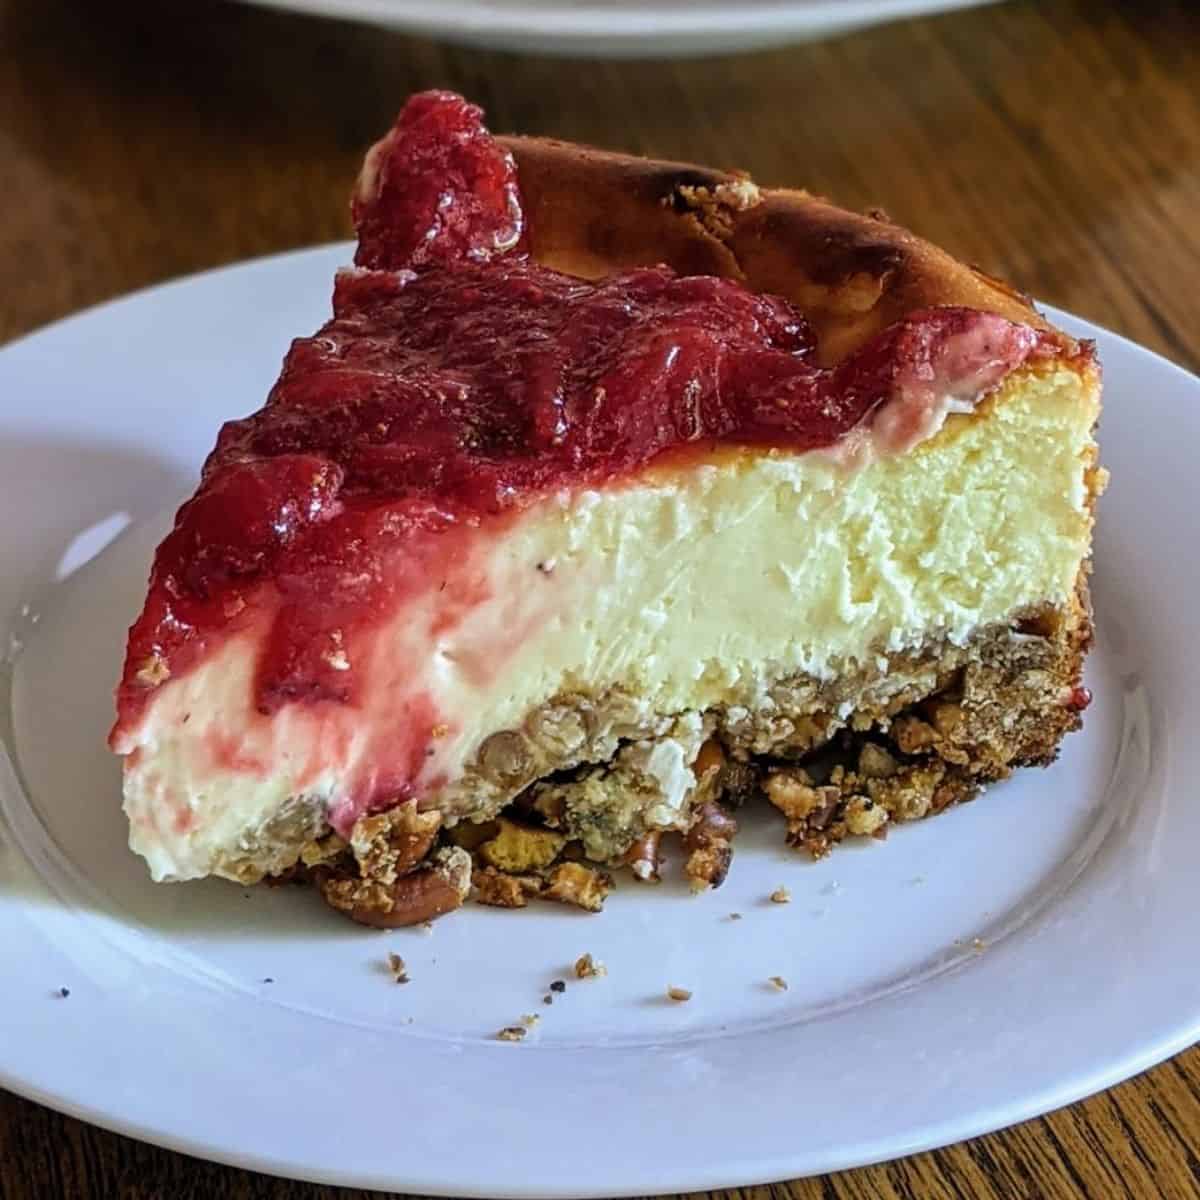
(688, 588)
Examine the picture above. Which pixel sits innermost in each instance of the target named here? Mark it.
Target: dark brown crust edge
(592, 212)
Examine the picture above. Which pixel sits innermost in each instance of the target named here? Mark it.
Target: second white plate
(979, 968)
(624, 28)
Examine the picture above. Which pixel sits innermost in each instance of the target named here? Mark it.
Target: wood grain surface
(1053, 143)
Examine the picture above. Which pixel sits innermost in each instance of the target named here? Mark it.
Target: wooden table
(1054, 143)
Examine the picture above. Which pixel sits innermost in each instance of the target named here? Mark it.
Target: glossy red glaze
(437, 188)
(457, 382)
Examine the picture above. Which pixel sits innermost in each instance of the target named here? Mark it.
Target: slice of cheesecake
(615, 494)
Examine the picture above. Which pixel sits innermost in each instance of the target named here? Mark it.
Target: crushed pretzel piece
(864, 817)
(586, 967)
(390, 844)
(642, 857)
(517, 849)
(573, 883)
(322, 850)
(709, 843)
(433, 889)
(500, 890)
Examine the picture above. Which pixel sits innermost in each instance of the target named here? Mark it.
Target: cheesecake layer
(693, 590)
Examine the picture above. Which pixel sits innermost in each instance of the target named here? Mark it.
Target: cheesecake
(615, 496)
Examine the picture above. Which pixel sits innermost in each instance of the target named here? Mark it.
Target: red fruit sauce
(457, 382)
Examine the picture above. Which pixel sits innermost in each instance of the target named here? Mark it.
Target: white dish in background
(623, 28)
(899, 1030)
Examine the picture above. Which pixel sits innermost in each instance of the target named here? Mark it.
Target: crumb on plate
(587, 967)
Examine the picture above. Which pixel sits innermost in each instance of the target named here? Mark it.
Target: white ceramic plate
(260, 1028)
(623, 28)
